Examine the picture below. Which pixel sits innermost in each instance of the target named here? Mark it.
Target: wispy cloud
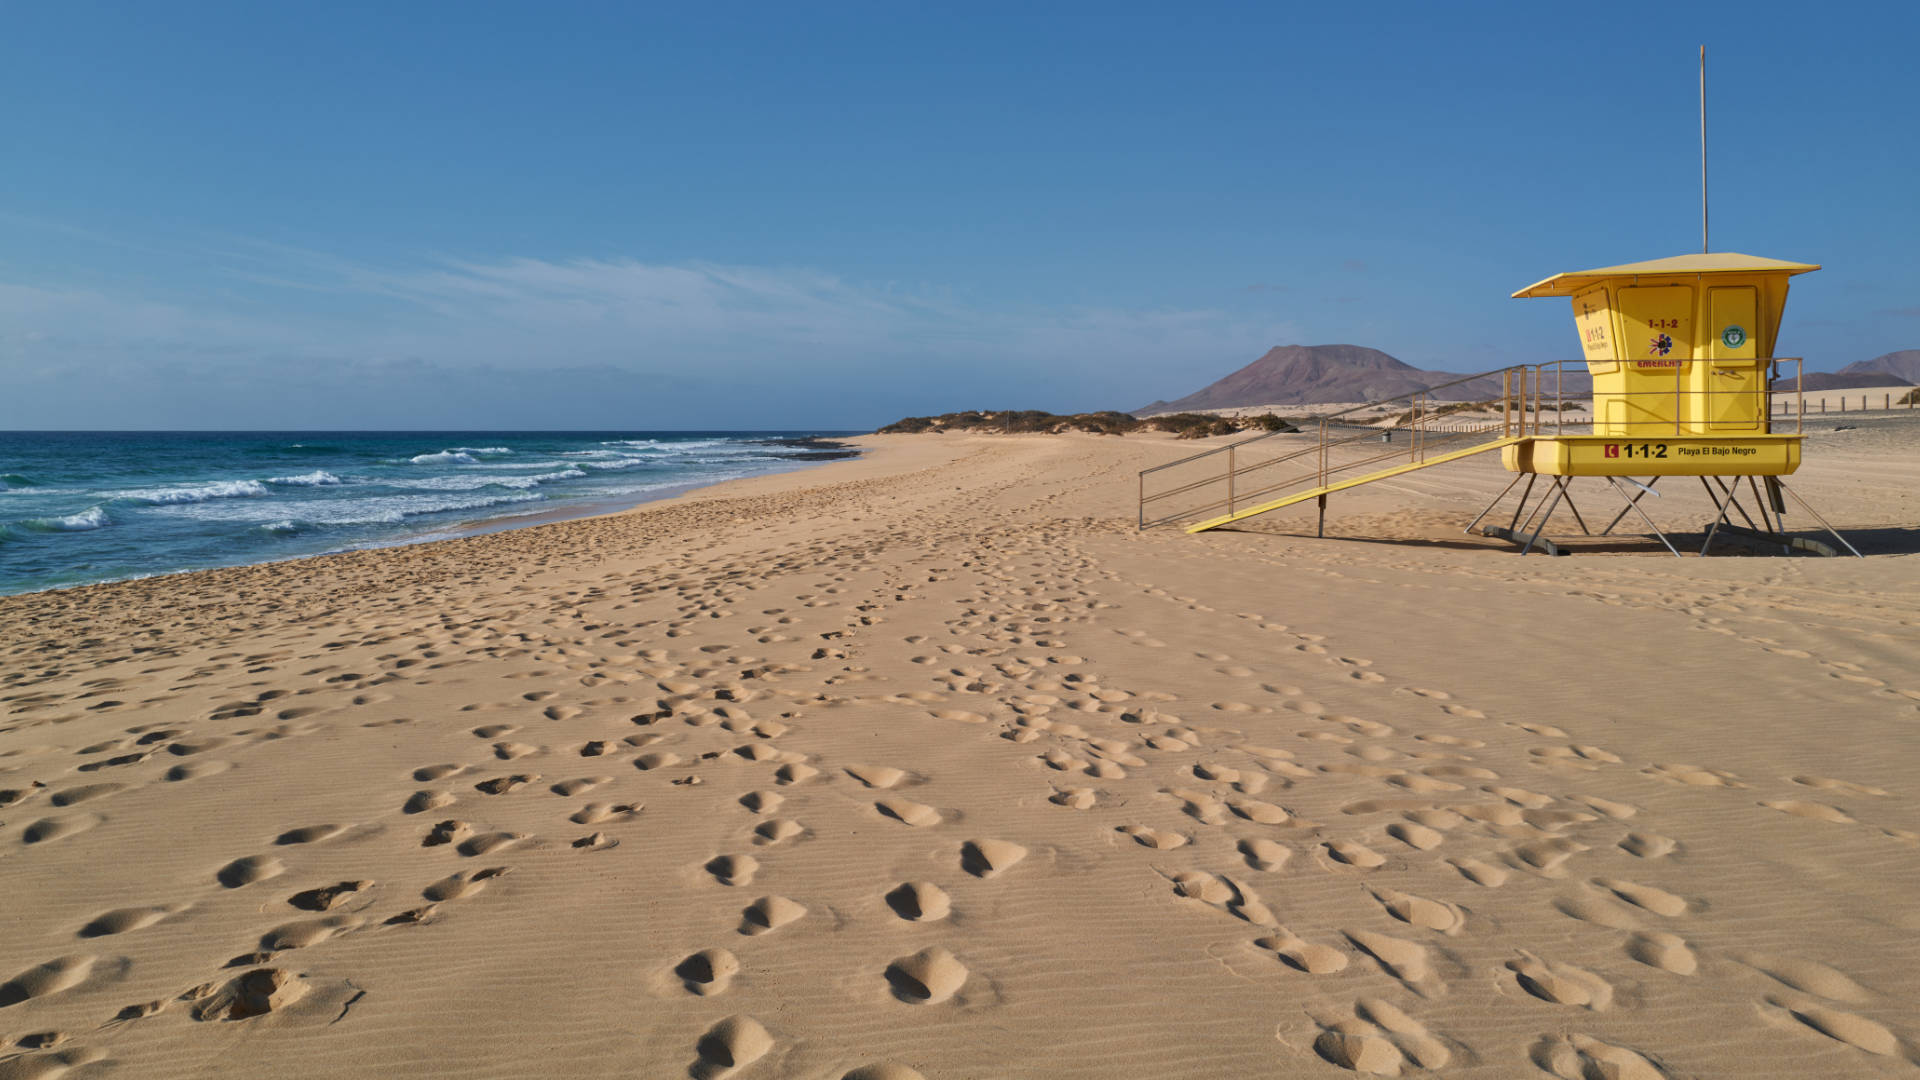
(783, 340)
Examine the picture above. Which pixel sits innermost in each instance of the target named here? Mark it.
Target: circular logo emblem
(1733, 337)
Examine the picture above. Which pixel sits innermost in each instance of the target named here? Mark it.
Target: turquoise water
(78, 507)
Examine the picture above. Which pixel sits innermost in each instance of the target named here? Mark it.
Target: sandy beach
(930, 764)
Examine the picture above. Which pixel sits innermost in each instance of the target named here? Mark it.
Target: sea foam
(221, 489)
(92, 518)
(316, 478)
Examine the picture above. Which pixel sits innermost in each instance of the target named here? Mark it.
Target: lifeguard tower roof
(1718, 262)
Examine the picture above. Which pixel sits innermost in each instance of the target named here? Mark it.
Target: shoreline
(585, 508)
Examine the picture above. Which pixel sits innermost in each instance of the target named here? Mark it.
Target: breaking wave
(222, 489)
(91, 518)
(316, 478)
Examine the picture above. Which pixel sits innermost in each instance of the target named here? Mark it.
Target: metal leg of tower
(1777, 482)
(1633, 504)
(1522, 505)
(1759, 504)
(1491, 505)
(1537, 507)
(1566, 488)
(1721, 505)
(1552, 504)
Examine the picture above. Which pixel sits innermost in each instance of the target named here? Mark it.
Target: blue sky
(616, 215)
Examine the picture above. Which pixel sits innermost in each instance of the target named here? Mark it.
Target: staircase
(1355, 446)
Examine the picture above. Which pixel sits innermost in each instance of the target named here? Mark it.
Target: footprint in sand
(125, 920)
(1828, 784)
(1262, 854)
(300, 935)
(777, 831)
(1583, 1057)
(256, 993)
(1303, 955)
(1562, 984)
(464, 884)
(1668, 952)
(1380, 1040)
(84, 793)
(483, 843)
(795, 773)
(919, 901)
(1415, 835)
(769, 913)
(707, 972)
(909, 812)
(1812, 811)
(246, 871)
(1648, 845)
(500, 785)
(1157, 839)
(422, 801)
(1404, 960)
(1856, 1031)
(570, 788)
(885, 1070)
(1263, 813)
(42, 980)
(47, 830)
(732, 869)
(1353, 853)
(1646, 897)
(327, 897)
(729, 1046)
(1548, 856)
(928, 977)
(1421, 911)
(1809, 976)
(762, 802)
(1694, 776)
(990, 858)
(596, 812)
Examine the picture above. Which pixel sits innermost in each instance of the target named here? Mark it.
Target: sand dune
(928, 764)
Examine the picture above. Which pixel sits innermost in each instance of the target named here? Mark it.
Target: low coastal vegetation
(1186, 425)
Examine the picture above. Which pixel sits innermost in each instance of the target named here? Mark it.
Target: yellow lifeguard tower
(1677, 360)
(1678, 349)
(1680, 356)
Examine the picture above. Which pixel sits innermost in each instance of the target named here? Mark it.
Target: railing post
(1230, 470)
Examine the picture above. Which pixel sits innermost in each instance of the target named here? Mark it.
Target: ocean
(80, 507)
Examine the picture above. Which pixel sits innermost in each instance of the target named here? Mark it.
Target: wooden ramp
(1353, 482)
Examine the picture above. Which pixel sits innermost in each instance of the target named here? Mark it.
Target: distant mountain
(1904, 366)
(1328, 374)
(1894, 369)
(1319, 375)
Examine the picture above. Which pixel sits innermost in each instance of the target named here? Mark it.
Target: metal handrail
(1520, 404)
